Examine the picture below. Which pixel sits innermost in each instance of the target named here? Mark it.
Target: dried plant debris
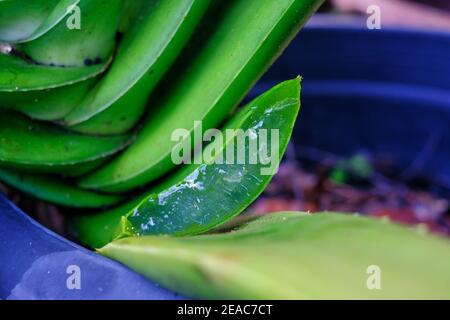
(359, 184)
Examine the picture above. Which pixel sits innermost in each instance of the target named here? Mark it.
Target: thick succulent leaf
(167, 26)
(56, 191)
(92, 43)
(75, 171)
(295, 256)
(246, 40)
(201, 196)
(50, 104)
(130, 13)
(20, 75)
(99, 229)
(35, 145)
(26, 20)
(121, 116)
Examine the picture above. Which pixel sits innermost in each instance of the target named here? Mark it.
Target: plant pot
(384, 92)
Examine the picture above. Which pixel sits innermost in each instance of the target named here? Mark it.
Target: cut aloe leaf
(56, 191)
(296, 256)
(25, 20)
(247, 39)
(91, 40)
(19, 75)
(138, 66)
(49, 104)
(35, 145)
(202, 196)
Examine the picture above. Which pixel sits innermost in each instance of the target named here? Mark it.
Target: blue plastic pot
(385, 92)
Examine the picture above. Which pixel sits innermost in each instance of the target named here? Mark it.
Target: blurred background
(432, 14)
(373, 134)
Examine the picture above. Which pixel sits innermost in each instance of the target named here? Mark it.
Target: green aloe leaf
(245, 42)
(130, 13)
(40, 146)
(20, 75)
(26, 20)
(121, 116)
(296, 256)
(56, 191)
(91, 42)
(77, 170)
(138, 66)
(48, 105)
(201, 196)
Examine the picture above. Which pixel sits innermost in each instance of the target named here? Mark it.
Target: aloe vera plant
(91, 94)
(246, 40)
(82, 117)
(187, 202)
